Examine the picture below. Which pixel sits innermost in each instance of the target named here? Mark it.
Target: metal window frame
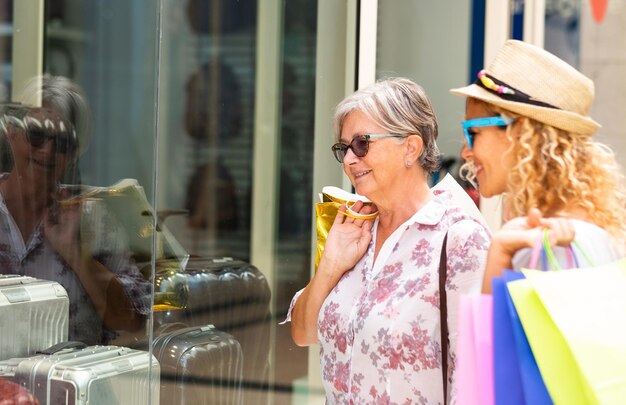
(28, 30)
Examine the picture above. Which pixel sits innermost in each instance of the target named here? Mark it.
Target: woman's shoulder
(459, 209)
(597, 242)
(463, 228)
(461, 221)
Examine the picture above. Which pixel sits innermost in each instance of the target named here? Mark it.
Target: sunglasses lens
(65, 143)
(339, 150)
(36, 137)
(359, 146)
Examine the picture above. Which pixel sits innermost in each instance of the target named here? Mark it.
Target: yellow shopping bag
(326, 211)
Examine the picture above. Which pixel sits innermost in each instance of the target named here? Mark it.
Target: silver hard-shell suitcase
(230, 294)
(34, 315)
(199, 365)
(95, 375)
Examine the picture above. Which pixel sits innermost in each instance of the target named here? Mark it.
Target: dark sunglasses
(64, 141)
(359, 145)
(497, 121)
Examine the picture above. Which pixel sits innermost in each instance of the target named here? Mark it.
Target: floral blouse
(379, 328)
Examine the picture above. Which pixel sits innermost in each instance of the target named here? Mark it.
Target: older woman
(529, 137)
(373, 304)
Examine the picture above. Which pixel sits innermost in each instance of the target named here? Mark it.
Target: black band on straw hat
(507, 92)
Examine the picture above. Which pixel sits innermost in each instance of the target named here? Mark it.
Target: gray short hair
(65, 97)
(400, 106)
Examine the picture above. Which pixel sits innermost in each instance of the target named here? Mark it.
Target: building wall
(603, 59)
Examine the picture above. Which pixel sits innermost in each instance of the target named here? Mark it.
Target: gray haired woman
(373, 304)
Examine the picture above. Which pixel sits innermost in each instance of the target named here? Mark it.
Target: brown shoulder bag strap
(443, 313)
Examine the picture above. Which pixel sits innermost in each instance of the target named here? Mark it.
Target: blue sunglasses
(483, 122)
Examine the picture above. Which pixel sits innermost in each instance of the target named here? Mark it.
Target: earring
(409, 163)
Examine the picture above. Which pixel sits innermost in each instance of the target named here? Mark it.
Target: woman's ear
(414, 144)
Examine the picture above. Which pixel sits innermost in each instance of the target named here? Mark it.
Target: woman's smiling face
(378, 169)
(44, 161)
(491, 151)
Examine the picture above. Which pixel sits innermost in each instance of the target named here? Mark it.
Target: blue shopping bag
(517, 376)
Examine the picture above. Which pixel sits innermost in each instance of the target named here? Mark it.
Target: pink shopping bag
(475, 351)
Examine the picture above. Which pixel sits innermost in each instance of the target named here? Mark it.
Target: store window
(134, 131)
(413, 43)
(6, 34)
(586, 34)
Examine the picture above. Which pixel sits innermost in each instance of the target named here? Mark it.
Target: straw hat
(532, 82)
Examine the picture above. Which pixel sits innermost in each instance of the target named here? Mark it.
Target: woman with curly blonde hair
(529, 137)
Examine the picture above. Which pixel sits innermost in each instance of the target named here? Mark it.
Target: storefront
(221, 111)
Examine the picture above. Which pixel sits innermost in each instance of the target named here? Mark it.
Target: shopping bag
(559, 370)
(535, 389)
(518, 379)
(326, 211)
(475, 351)
(587, 309)
(517, 376)
(564, 314)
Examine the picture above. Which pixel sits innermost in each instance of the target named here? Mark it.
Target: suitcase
(70, 373)
(199, 365)
(230, 294)
(34, 315)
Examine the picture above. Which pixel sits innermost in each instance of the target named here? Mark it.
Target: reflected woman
(45, 234)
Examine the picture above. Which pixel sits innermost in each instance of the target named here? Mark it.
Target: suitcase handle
(62, 346)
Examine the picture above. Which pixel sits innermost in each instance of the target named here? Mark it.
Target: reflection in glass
(6, 49)
(180, 128)
(49, 236)
(562, 30)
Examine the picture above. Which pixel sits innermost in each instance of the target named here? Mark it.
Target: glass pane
(589, 37)
(602, 57)
(562, 30)
(81, 248)
(206, 124)
(206, 112)
(128, 186)
(109, 100)
(413, 43)
(6, 36)
(209, 141)
(293, 256)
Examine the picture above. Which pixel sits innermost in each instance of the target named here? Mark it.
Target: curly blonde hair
(557, 171)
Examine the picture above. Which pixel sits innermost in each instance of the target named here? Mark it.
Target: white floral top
(379, 329)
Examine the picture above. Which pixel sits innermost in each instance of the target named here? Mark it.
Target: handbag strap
(443, 313)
